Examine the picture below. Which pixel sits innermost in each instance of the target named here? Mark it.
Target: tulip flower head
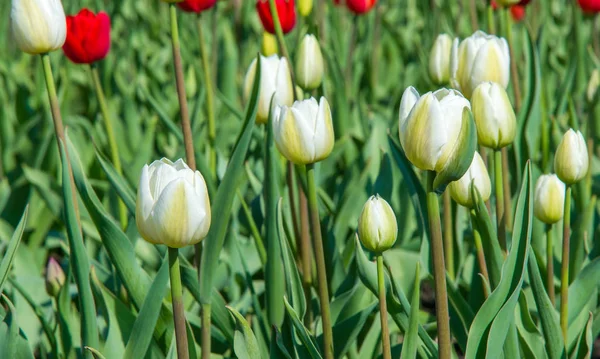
(549, 199)
(269, 44)
(589, 6)
(477, 176)
(359, 6)
(55, 277)
(196, 6)
(571, 159)
(479, 58)
(377, 226)
(495, 118)
(439, 60)
(303, 132)
(305, 7)
(275, 79)
(309, 63)
(286, 10)
(88, 37)
(172, 206)
(38, 26)
(437, 133)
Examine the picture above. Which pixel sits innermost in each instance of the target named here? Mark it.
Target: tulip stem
(550, 263)
(499, 185)
(210, 102)
(564, 270)
(177, 300)
(205, 334)
(89, 330)
(385, 333)
(480, 253)
(508, 215)
(439, 270)
(260, 246)
(183, 106)
(448, 234)
(514, 74)
(307, 269)
(315, 224)
(110, 133)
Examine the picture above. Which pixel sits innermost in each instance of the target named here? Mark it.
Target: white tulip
(309, 63)
(549, 199)
(377, 226)
(571, 159)
(439, 59)
(303, 133)
(275, 80)
(38, 26)
(494, 116)
(431, 128)
(172, 207)
(477, 175)
(479, 58)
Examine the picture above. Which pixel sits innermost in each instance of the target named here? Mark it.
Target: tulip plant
(300, 179)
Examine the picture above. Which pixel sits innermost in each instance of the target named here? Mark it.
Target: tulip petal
(490, 65)
(143, 208)
(324, 136)
(409, 98)
(284, 94)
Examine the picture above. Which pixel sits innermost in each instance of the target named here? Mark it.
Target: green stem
(110, 133)
(315, 224)
(491, 20)
(508, 216)
(183, 106)
(205, 335)
(260, 246)
(448, 235)
(177, 300)
(385, 333)
(564, 270)
(210, 102)
(500, 219)
(307, 269)
(550, 263)
(439, 270)
(480, 253)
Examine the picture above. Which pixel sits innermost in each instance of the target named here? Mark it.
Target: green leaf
(143, 328)
(581, 289)
(9, 255)
(245, 345)
(78, 259)
(94, 352)
(302, 332)
(224, 199)
(549, 319)
(495, 320)
(409, 348)
(12, 345)
(117, 182)
(585, 342)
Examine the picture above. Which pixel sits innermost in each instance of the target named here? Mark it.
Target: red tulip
(196, 6)
(88, 37)
(517, 12)
(360, 6)
(589, 6)
(286, 9)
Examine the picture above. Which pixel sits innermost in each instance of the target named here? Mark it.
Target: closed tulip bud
(88, 37)
(305, 7)
(571, 158)
(172, 207)
(275, 79)
(377, 227)
(286, 10)
(55, 277)
(589, 6)
(439, 60)
(38, 26)
(549, 199)
(477, 175)
(495, 118)
(309, 63)
(269, 44)
(360, 6)
(479, 58)
(196, 6)
(437, 133)
(592, 87)
(303, 133)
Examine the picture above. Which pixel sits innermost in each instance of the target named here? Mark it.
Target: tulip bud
(377, 227)
(38, 26)
(172, 207)
(303, 133)
(549, 199)
(571, 158)
(269, 44)
(55, 277)
(439, 60)
(495, 118)
(479, 58)
(438, 133)
(286, 10)
(477, 175)
(88, 37)
(275, 79)
(360, 6)
(589, 6)
(196, 6)
(309, 63)
(305, 7)
(592, 87)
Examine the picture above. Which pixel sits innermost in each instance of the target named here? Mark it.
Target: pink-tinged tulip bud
(55, 277)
